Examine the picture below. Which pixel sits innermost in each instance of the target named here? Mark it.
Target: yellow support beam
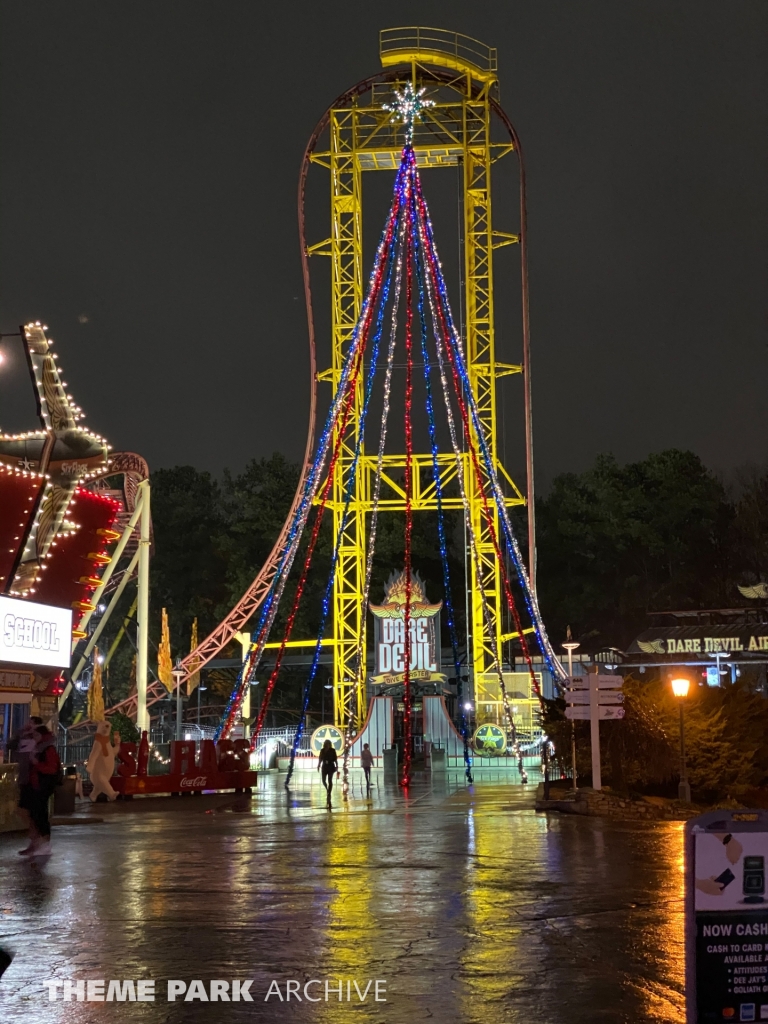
(456, 131)
(347, 299)
(297, 643)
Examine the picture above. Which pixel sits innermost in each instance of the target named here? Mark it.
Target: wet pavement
(465, 904)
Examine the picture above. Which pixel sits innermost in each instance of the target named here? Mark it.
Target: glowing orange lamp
(680, 687)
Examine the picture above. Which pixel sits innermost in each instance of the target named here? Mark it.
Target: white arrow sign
(584, 713)
(603, 697)
(601, 682)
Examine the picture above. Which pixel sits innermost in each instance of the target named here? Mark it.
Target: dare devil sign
(389, 634)
(727, 917)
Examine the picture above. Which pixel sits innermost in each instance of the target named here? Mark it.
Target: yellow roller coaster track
(460, 76)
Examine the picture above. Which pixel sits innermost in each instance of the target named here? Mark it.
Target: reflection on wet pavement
(467, 904)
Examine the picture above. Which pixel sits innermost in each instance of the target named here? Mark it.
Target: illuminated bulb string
(365, 324)
(362, 332)
(407, 711)
(359, 655)
(345, 514)
(277, 586)
(473, 543)
(450, 615)
(440, 334)
(489, 622)
(269, 608)
(545, 646)
(458, 456)
(280, 576)
(461, 384)
(308, 558)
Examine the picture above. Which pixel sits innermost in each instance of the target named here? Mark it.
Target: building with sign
(55, 531)
(721, 643)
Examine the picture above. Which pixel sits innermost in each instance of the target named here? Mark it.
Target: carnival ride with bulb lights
(59, 516)
(434, 105)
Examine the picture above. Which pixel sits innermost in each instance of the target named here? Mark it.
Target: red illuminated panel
(18, 492)
(63, 581)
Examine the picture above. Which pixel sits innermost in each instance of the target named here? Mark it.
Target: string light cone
(164, 663)
(96, 691)
(406, 287)
(194, 679)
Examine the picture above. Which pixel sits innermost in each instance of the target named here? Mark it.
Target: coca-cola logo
(191, 783)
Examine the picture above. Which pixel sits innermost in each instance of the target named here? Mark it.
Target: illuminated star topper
(407, 107)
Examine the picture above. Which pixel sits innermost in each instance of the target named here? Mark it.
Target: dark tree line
(212, 537)
(614, 543)
(617, 542)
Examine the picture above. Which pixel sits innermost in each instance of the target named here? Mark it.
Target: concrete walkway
(465, 904)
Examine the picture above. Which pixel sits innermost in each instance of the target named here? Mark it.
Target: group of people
(39, 771)
(328, 765)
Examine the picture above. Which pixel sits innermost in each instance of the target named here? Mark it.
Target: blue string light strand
(450, 615)
(352, 476)
(510, 540)
(271, 603)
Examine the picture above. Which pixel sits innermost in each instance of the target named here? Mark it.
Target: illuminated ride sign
(34, 634)
(389, 634)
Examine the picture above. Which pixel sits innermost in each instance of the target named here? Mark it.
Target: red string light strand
(407, 721)
(512, 605)
(348, 402)
(308, 559)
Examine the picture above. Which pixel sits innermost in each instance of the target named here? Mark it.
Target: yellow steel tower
(460, 76)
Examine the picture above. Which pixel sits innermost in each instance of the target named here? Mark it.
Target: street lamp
(177, 674)
(680, 688)
(570, 645)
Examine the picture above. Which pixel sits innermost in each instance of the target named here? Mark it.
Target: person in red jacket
(44, 770)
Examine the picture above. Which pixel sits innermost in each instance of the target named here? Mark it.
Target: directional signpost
(605, 697)
(584, 713)
(594, 698)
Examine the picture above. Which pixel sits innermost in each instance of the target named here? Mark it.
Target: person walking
(23, 745)
(44, 773)
(366, 761)
(328, 762)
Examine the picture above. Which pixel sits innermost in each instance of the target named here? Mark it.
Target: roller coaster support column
(245, 711)
(479, 244)
(347, 283)
(96, 599)
(142, 617)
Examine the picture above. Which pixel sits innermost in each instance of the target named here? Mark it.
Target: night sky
(149, 170)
